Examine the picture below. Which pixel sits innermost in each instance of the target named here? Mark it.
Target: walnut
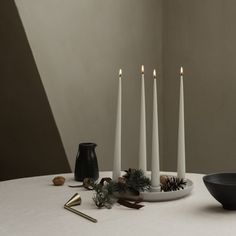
(58, 180)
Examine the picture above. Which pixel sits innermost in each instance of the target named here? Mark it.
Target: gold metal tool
(76, 200)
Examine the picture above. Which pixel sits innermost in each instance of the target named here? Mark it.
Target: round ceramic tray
(167, 196)
(161, 196)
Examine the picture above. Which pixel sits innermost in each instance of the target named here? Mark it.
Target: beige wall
(79, 47)
(201, 35)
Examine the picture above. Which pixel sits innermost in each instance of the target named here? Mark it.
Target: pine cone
(171, 183)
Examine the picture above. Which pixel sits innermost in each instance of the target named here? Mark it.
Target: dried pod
(88, 183)
(163, 179)
(58, 180)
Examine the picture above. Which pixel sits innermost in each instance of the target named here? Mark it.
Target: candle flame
(154, 74)
(142, 69)
(181, 70)
(120, 72)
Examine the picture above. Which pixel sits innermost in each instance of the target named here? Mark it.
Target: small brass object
(80, 214)
(76, 200)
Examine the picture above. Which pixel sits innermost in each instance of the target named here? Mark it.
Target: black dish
(222, 187)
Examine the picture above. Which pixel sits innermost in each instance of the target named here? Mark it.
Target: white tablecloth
(32, 206)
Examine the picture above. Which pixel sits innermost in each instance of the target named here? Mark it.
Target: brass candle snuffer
(74, 201)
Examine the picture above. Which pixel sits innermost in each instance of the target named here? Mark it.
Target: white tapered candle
(117, 150)
(181, 131)
(155, 174)
(142, 141)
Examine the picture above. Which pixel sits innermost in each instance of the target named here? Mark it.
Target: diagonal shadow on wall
(30, 143)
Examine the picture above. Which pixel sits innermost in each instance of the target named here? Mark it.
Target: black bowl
(222, 187)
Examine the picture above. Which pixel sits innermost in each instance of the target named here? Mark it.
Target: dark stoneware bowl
(222, 187)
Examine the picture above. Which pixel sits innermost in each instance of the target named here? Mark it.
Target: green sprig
(133, 181)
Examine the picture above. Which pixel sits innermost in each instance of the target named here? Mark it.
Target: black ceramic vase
(86, 165)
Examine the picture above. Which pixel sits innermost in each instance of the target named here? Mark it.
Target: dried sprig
(103, 195)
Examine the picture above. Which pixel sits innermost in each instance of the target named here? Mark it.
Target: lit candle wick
(181, 70)
(154, 74)
(142, 69)
(120, 72)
